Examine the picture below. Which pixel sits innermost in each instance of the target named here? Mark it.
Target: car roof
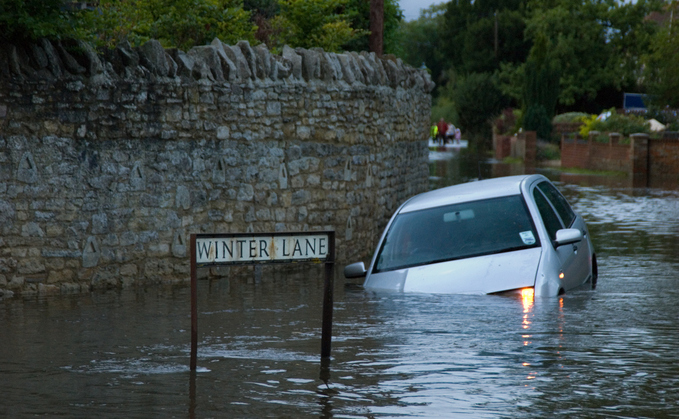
(466, 192)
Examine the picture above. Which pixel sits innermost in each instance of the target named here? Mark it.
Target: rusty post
(328, 296)
(194, 305)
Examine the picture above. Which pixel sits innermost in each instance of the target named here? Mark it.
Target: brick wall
(650, 161)
(664, 157)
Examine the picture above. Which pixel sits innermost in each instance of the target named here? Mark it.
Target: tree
(181, 23)
(471, 44)
(541, 89)
(358, 14)
(595, 44)
(421, 41)
(661, 76)
(22, 20)
(314, 23)
(478, 100)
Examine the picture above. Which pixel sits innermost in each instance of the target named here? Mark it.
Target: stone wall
(109, 162)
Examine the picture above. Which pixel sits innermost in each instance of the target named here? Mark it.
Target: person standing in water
(443, 128)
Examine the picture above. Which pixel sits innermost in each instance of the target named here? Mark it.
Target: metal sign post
(249, 248)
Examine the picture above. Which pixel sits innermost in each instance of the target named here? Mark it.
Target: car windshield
(456, 232)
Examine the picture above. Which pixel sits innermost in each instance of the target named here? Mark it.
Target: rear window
(456, 232)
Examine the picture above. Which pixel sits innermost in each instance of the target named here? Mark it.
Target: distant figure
(458, 135)
(434, 132)
(450, 134)
(443, 128)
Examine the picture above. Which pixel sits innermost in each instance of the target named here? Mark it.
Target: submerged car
(516, 233)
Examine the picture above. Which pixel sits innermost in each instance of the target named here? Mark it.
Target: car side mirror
(355, 270)
(567, 236)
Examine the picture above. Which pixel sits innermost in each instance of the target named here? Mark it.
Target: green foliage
(313, 23)
(469, 34)
(668, 117)
(421, 41)
(547, 151)
(507, 122)
(358, 14)
(596, 44)
(541, 89)
(662, 76)
(536, 119)
(33, 19)
(264, 8)
(541, 78)
(623, 124)
(569, 117)
(182, 24)
(586, 127)
(478, 100)
(444, 108)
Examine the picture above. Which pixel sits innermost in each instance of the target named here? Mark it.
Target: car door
(571, 220)
(568, 254)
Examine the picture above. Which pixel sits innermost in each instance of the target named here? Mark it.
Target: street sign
(249, 248)
(284, 247)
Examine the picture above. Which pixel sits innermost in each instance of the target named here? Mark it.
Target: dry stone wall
(109, 162)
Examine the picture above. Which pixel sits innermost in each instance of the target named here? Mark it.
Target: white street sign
(278, 248)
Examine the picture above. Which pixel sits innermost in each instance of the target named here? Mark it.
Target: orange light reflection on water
(527, 300)
(527, 296)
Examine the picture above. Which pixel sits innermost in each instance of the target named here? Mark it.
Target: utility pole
(496, 35)
(376, 40)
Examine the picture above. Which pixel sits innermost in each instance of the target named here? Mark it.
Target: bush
(623, 124)
(181, 24)
(33, 19)
(536, 119)
(314, 23)
(547, 151)
(478, 99)
(667, 116)
(569, 117)
(586, 127)
(506, 123)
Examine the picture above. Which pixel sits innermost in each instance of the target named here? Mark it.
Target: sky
(411, 8)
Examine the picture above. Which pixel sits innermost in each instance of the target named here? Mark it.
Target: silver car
(515, 233)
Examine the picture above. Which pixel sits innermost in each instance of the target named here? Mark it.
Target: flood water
(608, 353)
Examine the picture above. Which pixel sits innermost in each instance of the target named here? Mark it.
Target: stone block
(27, 170)
(158, 250)
(91, 253)
(245, 193)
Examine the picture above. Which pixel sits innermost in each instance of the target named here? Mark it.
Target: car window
(549, 218)
(559, 202)
(457, 231)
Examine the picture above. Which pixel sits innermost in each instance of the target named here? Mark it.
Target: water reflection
(527, 295)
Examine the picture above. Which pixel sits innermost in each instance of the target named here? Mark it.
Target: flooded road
(606, 353)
